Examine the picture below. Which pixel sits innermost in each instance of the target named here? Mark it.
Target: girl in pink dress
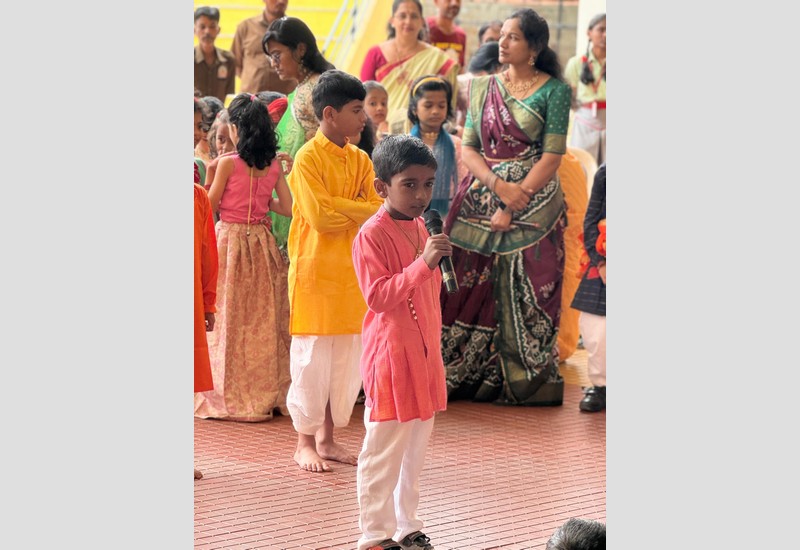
(249, 348)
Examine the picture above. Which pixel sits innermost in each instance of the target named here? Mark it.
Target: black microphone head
(433, 221)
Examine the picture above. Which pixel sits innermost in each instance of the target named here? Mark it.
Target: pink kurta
(401, 361)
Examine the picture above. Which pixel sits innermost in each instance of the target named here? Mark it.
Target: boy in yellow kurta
(332, 185)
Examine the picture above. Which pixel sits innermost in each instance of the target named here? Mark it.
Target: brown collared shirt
(255, 71)
(217, 79)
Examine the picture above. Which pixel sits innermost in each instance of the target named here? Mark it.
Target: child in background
(430, 106)
(219, 142)
(376, 104)
(214, 104)
(250, 350)
(396, 264)
(203, 149)
(365, 140)
(205, 291)
(590, 298)
(202, 120)
(202, 123)
(332, 186)
(586, 75)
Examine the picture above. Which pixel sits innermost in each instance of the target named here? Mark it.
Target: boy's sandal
(387, 544)
(417, 541)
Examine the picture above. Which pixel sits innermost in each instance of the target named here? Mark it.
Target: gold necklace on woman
(522, 86)
(305, 78)
(419, 239)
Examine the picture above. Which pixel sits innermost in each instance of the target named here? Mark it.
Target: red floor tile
(495, 477)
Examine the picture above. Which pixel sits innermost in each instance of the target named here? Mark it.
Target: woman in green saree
(292, 49)
(506, 223)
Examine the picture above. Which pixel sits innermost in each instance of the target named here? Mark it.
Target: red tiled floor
(495, 477)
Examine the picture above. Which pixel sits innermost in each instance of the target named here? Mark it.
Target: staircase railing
(342, 36)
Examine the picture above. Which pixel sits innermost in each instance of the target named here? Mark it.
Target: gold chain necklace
(522, 86)
(305, 79)
(419, 239)
(430, 135)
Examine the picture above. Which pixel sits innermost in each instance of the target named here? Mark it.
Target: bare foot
(334, 451)
(308, 459)
(198, 474)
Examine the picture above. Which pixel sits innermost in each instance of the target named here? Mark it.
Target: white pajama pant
(387, 481)
(589, 132)
(323, 368)
(593, 331)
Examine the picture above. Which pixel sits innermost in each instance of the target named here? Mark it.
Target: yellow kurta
(333, 195)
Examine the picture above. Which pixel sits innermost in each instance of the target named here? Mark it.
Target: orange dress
(573, 184)
(205, 285)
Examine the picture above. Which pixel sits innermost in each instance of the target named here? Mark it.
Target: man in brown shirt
(252, 65)
(214, 68)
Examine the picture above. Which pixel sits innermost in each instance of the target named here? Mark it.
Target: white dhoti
(323, 368)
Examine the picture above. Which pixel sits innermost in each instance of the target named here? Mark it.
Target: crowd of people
(318, 259)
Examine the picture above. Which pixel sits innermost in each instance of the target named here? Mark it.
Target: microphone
(433, 223)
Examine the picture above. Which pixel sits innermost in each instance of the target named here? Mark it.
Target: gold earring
(532, 61)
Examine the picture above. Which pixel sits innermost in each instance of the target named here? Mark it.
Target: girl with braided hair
(586, 75)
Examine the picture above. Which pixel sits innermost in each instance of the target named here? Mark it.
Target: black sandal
(387, 544)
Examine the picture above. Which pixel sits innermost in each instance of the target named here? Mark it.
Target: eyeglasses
(207, 11)
(275, 57)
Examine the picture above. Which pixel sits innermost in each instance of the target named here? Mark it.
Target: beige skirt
(249, 346)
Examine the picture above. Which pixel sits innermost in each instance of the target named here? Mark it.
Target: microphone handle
(448, 275)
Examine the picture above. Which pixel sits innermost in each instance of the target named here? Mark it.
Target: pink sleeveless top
(234, 202)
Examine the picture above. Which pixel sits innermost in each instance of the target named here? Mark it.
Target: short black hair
(371, 85)
(396, 152)
(214, 103)
(486, 26)
(485, 59)
(366, 141)
(200, 106)
(211, 13)
(578, 534)
(268, 96)
(336, 89)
